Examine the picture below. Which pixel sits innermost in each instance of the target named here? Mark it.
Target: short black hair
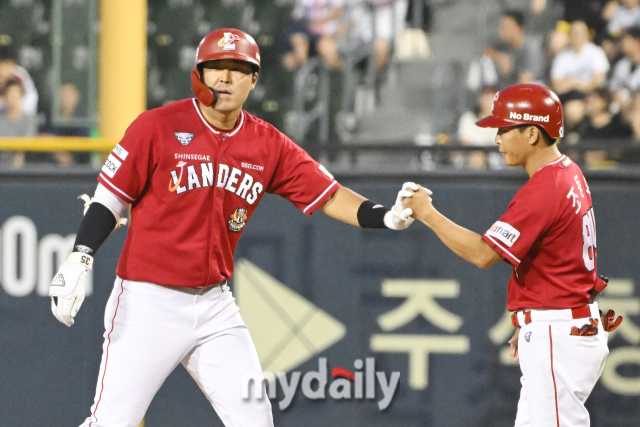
(572, 95)
(545, 136)
(7, 54)
(603, 93)
(633, 32)
(516, 15)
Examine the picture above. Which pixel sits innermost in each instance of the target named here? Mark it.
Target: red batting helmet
(528, 104)
(225, 43)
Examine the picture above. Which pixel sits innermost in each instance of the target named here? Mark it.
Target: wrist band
(371, 215)
(83, 259)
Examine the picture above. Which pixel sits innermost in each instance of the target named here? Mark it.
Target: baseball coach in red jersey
(193, 173)
(548, 235)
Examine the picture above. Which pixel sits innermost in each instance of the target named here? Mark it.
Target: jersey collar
(562, 157)
(213, 128)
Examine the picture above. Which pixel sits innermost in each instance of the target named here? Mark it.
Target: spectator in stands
(625, 78)
(588, 11)
(470, 134)
(583, 66)
(324, 27)
(316, 27)
(575, 116)
(515, 58)
(13, 121)
(634, 116)
(602, 124)
(621, 16)
(68, 100)
(542, 15)
(388, 18)
(10, 70)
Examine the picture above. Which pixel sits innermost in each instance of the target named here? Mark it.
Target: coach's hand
(67, 288)
(399, 218)
(418, 201)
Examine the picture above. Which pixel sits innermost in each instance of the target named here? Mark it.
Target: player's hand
(399, 218)
(67, 291)
(513, 346)
(419, 201)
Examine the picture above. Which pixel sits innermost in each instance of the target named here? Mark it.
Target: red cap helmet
(225, 43)
(529, 104)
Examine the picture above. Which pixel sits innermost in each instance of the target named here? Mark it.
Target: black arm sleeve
(95, 227)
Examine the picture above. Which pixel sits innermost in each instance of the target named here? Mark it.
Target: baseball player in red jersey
(548, 235)
(193, 173)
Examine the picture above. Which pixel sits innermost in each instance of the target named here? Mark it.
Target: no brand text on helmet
(528, 117)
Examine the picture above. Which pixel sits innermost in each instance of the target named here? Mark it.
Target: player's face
(232, 79)
(513, 144)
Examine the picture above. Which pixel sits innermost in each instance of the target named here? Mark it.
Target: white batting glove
(67, 288)
(399, 218)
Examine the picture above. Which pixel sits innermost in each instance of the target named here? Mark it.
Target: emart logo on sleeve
(111, 166)
(504, 232)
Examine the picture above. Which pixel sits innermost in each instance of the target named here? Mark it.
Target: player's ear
(254, 79)
(534, 135)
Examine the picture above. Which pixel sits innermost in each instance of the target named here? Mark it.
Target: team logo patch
(504, 232)
(184, 138)
(227, 42)
(566, 162)
(495, 98)
(561, 131)
(174, 182)
(58, 280)
(238, 220)
(84, 249)
(527, 336)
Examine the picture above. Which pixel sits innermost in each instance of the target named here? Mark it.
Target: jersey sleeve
(528, 217)
(300, 179)
(128, 167)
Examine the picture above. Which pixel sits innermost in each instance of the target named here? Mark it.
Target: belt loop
(514, 320)
(521, 321)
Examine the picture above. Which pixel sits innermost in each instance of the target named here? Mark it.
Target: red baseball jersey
(193, 189)
(548, 234)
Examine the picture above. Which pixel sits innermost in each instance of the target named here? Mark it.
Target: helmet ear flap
(207, 95)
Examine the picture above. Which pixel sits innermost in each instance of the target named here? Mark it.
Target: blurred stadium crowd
(587, 51)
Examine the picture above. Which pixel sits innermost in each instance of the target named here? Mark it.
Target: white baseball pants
(559, 370)
(150, 329)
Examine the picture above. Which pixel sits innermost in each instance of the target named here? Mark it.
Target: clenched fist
(418, 200)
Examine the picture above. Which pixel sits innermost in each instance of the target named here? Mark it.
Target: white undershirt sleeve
(110, 200)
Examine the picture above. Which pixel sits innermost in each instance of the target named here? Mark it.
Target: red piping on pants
(107, 351)
(555, 389)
